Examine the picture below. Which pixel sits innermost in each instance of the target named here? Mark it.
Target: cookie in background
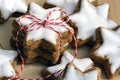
(8, 7)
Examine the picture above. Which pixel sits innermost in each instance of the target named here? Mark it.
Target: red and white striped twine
(46, 23)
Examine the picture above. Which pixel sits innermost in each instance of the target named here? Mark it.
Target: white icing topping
(82, 64)
(74, 74)
(110, 48)
(43, 32)
(91, 75)
(6, 69)
(7, 7)
(89, 18)
(68, 5)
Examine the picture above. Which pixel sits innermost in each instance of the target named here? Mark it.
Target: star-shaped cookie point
(73, 73)
(7, 57)
(42, 13)
(89, 18)
(82, 64)
(108, 50)
(7, 7)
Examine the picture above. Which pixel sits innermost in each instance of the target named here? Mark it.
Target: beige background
(33, 70)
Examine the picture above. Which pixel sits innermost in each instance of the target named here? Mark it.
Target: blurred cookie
(70, 6)
(8, 7)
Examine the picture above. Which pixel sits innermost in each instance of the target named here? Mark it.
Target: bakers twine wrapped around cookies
(47, 24)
